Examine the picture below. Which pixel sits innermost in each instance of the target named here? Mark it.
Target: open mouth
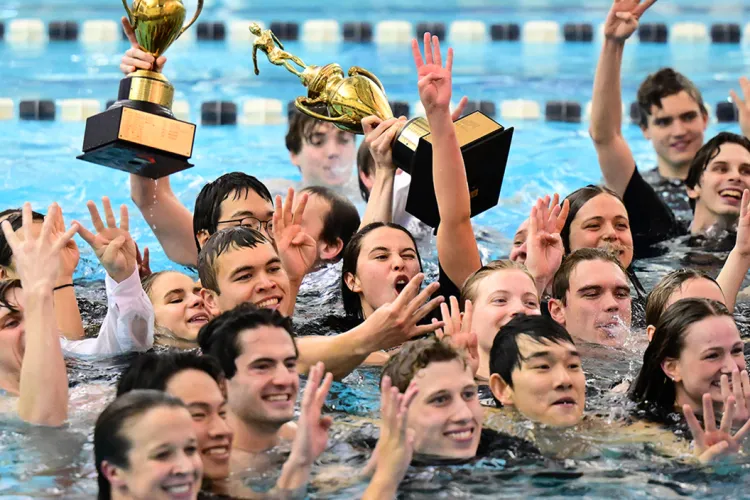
(199, 319)
(183, 490)
(565, 402)
(401, 283)
(217, 452)
(269, 303)
(460, 435)
(732, 195)
(277, 398)
(681, 145)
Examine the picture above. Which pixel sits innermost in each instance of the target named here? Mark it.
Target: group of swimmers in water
(503, 334)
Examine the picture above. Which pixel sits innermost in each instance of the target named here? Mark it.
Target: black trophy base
(485, 145)
(138, 142)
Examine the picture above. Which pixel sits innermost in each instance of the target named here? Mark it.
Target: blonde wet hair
(471, 285)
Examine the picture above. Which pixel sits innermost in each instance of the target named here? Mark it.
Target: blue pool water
(37, 164)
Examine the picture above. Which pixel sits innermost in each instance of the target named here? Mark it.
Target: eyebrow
(200, 406)
(176, 290)
(590, 288)
(272, 360)
(548, 354)
(241, 269)
(248, 213)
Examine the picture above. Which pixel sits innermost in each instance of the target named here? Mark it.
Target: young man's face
(518, 252)
(549, 387)
(246, 209)
(265, 387)
(313, 222)
(597, 307)
(719, 190)
(249, 275)
(676, 129)
(327, 158)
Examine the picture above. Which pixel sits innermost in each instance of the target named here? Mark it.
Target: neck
(170, 340)
(671, 171)
(10, 381)
(253, 437)
(367, 309)
(703, 220)
(483, 372)
(683, 398)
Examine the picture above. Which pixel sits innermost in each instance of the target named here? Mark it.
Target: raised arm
(135, 58)
(615, 158)
(43, 384)
(168, 218)
(738, 262)
(379, 136)
(457, 247)
(66, 305)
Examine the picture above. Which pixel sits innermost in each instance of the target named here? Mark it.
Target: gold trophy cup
(346, 100)
(138, 133)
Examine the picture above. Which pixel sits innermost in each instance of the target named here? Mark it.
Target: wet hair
(416, 355)
(351, 300)
(208, 203)
(154, 371)
(147, 283)
(706, 155)
(505, 357)
(15, 217)
(233, 238)
(301, 128)
(110, 441)
(577, 200)
(561, 281)
(471, 285)
(342, 219)
(5, 287)
(657, 299)
(664, 83)
(652, 386)
(220, 337)
(365, 165)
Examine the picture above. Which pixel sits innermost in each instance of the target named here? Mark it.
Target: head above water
(677, 285)
(591, 297)
(598, 219)
(12, 215)
(673, 117)
(238, 265)
(232, 199)
(377, 263)
(323, 153)
(446, 415)
(331, 219)
(695, 342)
(179, 310)
(518, 252)
(145, 447)
(535, 366)
(12, 328)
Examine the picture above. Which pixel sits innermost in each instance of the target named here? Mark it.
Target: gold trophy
(139, 133)
(345, 101)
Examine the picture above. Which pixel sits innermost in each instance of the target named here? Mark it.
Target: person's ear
(501, 390)
(352, 283)
(671, 369)
(211, 301)
(294, 158)
(113, 474)
(202, 236)
(556, 310)
(328, 251)
(650, 329)
(695, 192)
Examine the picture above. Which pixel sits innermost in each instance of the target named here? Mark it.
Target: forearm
(731, 277)
(44, 380)
(606, 102)
(381, 487)
(294, 476)
(67, 314)
(340, 353)
(294, 286)
(380, 204)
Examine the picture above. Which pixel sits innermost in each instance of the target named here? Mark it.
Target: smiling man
(591, 297)
(535, 368)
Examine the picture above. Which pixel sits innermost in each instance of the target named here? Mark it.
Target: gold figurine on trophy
(267, 43)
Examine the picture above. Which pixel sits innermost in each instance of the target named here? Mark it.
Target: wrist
(64, 279)
(612, 42)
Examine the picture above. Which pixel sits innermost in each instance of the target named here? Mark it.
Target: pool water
(37, 164)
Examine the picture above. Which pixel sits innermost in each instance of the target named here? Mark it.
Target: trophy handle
(197, 13)
(302, 102)
(356, 70)
(129, 12)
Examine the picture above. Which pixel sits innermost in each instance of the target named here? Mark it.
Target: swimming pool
(37, 164)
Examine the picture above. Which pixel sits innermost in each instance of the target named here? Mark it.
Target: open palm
(434, 79)
(297, 250)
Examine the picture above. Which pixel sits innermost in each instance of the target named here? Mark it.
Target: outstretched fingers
(96, 219)
(417, 54)
(436, 55)
(643, 7)
(695, 427)
(428, 59)
(299, 210)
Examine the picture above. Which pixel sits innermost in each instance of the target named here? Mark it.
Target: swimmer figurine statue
(345, 101)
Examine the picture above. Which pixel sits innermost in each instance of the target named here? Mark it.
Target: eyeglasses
(265, 226)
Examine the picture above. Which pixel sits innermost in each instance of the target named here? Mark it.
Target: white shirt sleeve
(128, 325)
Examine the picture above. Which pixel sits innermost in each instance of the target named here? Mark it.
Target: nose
(283, 376)
(678, 128)
(264, 283)
(729, 365)
(397, 262)
(463, 413)
(183, 465)
(516, 307)
(195, 301)
(518, 254)
(610, 303)
(333, 148)
(218, 427)
(610, 234)
(562, 378)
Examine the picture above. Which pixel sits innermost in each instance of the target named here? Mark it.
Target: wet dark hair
(154, 371)
(208, 203)
(416, 355)
(659, 295)
(577, 200)
(365, 165)
(220, 337)
(5, 287)
(561, 280)
(652, 386)
(341, 221)
(352, 302)
(706, 155)
(110, 442)
(15, 217)
(505, 357)
(664, 83)
(236, 237)
(301, 127)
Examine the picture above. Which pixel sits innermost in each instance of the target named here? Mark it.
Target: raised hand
(396, 322)
(38, 257)
(113, 246)
(622, 20)
(379, 137)
(136, 58)
(144, 269)
(434, 79)
(743, 105)
(739, 391)
(297, 249)
(457, 331)
(69, 254)
(544, 247)
(312, 429)
(459, 108)
(713, 443)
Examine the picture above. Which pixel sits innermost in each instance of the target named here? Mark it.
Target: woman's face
(712, 347)
(500, 296)
(602, 222)
(164, 462)
(178, 306)
(12, 338)
(387, 262)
